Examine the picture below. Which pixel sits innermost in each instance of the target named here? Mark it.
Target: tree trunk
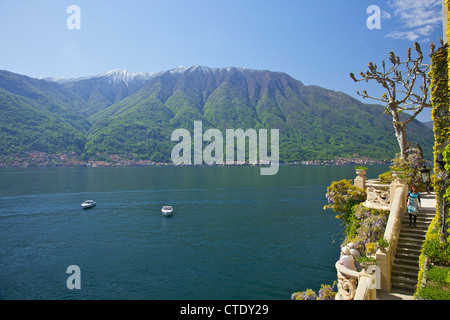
(400, 134)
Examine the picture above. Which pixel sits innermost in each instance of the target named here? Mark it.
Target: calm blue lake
(234, 234)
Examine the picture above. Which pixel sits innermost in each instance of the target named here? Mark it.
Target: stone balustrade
(378, 195)
(354, 285)
(384, 257)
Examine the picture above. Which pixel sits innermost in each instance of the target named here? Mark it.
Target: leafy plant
(446, 156)
(434, 291)
(437, 284)
(437, 252)
(410, 168)
(308, 294)
(383, 243)
(342, 195)
(326, 292)
(365, 259)
(367, 226)
(371, 248)
(439, 274)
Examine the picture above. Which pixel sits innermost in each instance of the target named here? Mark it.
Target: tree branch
(401, 79)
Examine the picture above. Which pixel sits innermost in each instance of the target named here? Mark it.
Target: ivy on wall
(445, 124)
(440, 98)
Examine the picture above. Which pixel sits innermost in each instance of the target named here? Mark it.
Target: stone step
(405, 288)
(407, 259)
(400, 279)
(424, 211)
(411, 238)
(407, 256)
(422, 214)
(401, 265)
(405, 276)
(420, 218)
(419, 228)
(407, 266)
(409, 245)
(412, 243)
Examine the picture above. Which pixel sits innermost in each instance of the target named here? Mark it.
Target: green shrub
(437, 252)
(366, 228)
(365, 259)
(326, 292)
(386, 177)
(410, 167)
(434, 292)
(439, 274)
(437, 285)
(382, 242)
(342, 195)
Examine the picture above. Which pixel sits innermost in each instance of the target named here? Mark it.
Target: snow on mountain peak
(182, 69)
(113, 76)
(119, 75)
(179, 69)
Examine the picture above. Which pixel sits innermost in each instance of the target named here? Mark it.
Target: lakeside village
(42, 159)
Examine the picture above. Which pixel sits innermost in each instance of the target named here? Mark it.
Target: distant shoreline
(41, 159)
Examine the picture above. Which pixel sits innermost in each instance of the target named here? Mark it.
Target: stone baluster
(360, 180)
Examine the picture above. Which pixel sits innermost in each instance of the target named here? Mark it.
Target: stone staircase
(405, 265)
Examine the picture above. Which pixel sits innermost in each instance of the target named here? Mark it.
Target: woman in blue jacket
(414, 204)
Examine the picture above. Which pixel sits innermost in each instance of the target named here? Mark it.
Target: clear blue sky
(317, 42)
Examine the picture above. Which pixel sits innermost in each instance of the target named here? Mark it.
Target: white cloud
(417, 18)
(385, 15)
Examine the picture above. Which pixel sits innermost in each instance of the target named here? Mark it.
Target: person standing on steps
(414, 204)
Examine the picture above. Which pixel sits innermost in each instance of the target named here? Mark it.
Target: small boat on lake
(88, 204)
(167, 210)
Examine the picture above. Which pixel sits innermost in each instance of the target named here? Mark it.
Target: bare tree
(400, 81)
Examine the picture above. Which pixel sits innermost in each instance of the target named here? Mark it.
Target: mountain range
(134, 114)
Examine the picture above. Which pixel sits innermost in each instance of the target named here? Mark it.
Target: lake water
(234, 234)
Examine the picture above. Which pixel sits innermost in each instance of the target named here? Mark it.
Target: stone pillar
(384, 263)
(398, 183)
(360, 180)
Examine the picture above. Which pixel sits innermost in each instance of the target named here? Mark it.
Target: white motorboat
(167, 210)
(88, 204)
